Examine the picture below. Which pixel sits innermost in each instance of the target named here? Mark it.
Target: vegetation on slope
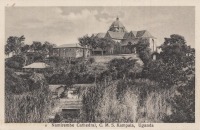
(158, 93)
(26, 99)
(161, 90)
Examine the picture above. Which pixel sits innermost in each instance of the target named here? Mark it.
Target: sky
(63, 25)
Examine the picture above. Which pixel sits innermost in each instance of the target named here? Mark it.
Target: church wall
(152, 44)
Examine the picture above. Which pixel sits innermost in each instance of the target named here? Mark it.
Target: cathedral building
(124, 43)
(118, 33)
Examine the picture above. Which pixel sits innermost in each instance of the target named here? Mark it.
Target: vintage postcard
(105, 65)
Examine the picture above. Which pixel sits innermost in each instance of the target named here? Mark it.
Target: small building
(36, 67)
(71, 51)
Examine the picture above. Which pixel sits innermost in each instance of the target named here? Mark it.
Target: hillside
(106, 58)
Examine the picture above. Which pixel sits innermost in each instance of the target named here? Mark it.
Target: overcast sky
(62, 25)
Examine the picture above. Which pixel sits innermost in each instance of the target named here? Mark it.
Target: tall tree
(25, 48)
(86, 41)
(89, 41)
(174, 49)
(176, 59)
(123, 67)
(14, 44)
(47, 47)
(36, 46)
(105, 43)
(176, 70)
(143, 50)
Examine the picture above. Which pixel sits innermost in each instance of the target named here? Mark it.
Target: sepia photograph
(99, 64)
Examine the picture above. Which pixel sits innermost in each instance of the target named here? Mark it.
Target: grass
(101, 103)
(27, 108)
(106, 58)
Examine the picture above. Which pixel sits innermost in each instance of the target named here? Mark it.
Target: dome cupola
(117, 26)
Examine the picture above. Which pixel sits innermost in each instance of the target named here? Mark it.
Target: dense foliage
(14, 45)
(36, 52)
(164, 92)
(27, 99)
(161, 90)
(15, 62)
(144, 51)
(95, 42)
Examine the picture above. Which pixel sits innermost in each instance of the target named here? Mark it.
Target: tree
(16, 62)
(174, 49)
(105, 43)
(164, 73)
(14, 83)
(183, 103)
(25, 48)
(95, 42)
(47, 47)
(57, 61)
(177, 60)
(14, 45)
(122, 68)
(36, 46)
(86, 41)
(143, 50)
(89, 41)
(27, 99)
(175, 70)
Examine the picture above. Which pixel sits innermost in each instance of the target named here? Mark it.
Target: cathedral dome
(117, 26)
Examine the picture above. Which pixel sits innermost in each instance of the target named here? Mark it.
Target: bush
(14, 83)
(27, 107)
(91, 60)
(15, 62)
(126, 101)
(30, 102)
(143, 50)
(183, 103)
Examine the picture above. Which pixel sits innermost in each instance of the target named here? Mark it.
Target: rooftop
(117, 26)
(37, 65)
(100, 35)
(116, 35)
(73, 45)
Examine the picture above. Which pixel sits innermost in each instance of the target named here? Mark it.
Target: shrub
(91, 60)
(15, 62)
(31, 104)
(143, 50)
(14, 83)
(183, 103)
(139, 100)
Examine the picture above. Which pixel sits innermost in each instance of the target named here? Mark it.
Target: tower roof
(117, 26)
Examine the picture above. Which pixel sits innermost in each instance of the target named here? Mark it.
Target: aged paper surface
(62, 23)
